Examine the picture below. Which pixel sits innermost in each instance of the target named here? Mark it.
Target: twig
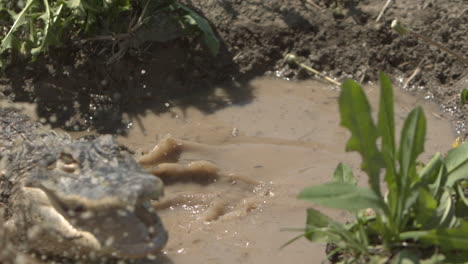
(314, 4)
(403, 30)
(415, 72)
(439, 116)
(292, 58)
(387, 4)
(363, 76)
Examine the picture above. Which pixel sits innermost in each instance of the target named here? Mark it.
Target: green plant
(464, 96)
(424, 213)
(28, 28)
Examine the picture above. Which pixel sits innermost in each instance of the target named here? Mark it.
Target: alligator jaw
(106, 232)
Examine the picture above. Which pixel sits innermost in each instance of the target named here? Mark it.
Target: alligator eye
(67, 163)
(70, 168)
(67, 158)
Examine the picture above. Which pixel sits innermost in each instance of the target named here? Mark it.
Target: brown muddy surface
(268, 138)
(247, 163)
(266, 151)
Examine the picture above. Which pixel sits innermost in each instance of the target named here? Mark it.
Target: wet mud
(232, 176)
(253, 160)
(255, 142)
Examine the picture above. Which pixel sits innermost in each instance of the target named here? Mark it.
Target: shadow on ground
(89, 94)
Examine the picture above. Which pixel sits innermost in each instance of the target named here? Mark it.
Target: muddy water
(266, 151)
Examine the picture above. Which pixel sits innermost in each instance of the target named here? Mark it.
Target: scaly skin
(75, 198)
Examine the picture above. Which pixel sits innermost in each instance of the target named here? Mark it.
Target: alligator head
(81, 199)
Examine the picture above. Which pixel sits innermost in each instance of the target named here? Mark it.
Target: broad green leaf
(457, 164)
(320, 227)
(446, 238)
(406, 257)
(317, 219)
(315, 224)
(430, 172)
(344, 174)
(445, 212)
(425, 210)
(209, 37)
(412, 143)
(386, 127)
(386, 123)
(437, 187)
(342, 196)
(356, 116)
(433, 175)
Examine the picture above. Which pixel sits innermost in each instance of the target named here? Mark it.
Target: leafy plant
(423, 215)
(36, 25)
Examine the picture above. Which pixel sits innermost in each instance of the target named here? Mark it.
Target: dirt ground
(352, 45)
(77, 91)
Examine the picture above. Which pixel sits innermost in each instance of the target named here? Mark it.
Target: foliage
(464, 96)
(424, 213)
(29, 27)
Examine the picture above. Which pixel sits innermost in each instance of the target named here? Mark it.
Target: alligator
(74, 198)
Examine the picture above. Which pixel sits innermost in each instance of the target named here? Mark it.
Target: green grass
(29, 28)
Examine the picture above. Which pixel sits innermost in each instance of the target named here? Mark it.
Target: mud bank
(255, 36)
